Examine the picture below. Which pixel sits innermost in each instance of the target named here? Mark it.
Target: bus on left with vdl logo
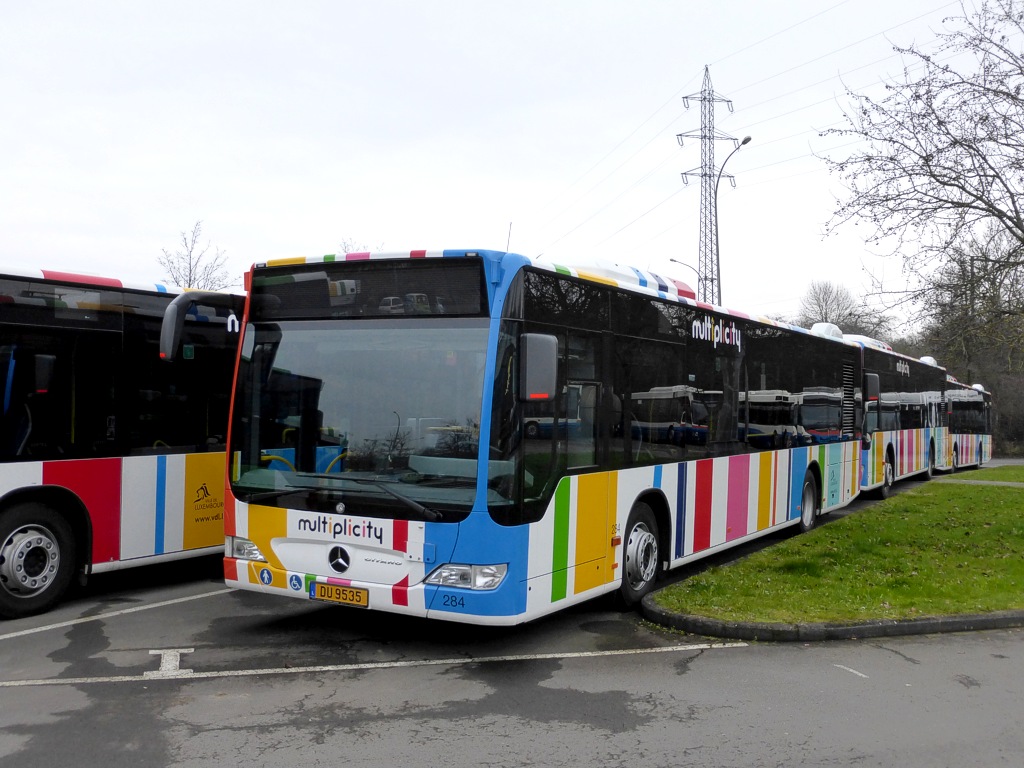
(109, 457)
(390, 458)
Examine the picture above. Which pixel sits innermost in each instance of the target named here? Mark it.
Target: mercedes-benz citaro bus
(380, 455)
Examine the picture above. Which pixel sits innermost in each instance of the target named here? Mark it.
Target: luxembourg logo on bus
(203, 499)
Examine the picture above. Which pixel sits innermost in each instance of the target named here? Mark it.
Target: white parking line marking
(170, 663)
(191, 675)
(101, 616)
(853, 671)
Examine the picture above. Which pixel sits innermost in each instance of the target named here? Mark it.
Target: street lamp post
(717, 298)
(683, 263)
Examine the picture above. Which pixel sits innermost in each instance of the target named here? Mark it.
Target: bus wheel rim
(641, 556)
(29, 561)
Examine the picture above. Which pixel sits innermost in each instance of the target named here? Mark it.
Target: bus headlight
(242, 549)
(469, 576)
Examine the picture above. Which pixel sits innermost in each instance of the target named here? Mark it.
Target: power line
(574, 228)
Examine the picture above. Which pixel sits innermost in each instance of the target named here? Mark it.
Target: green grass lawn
(940, 549)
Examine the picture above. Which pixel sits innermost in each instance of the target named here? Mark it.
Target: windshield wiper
(425, 512)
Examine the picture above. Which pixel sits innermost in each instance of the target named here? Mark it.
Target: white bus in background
(772, 418)
(678, 414)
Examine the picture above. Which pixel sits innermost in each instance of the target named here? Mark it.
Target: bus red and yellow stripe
(136, 506)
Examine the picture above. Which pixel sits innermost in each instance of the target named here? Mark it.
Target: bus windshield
(376, 417)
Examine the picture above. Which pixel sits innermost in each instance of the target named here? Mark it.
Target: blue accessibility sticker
(295, 582)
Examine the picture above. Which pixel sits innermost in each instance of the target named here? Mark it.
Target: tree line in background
(938, 176)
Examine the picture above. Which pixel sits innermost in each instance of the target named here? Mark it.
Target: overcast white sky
(288, 128)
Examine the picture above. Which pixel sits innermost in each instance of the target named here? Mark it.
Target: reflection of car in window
(392, 305)
(416, 304)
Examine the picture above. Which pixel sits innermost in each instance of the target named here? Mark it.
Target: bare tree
(350, 245)
(193, 266)
(974, 326)
(942, 153)
(827, 302)
(972, 311)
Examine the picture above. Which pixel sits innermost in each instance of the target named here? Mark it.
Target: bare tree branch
(943, 150)
(193, 266)
(827, 302)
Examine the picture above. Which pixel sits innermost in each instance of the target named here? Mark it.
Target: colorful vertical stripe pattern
(719, 501)
(137, 507)
(910, 448)
(970, 449)
(581, 552)
(712, 502)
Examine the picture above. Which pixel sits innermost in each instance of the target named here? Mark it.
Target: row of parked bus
(522, 436)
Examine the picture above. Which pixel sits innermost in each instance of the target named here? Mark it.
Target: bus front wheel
(640, 563)
(37, 559)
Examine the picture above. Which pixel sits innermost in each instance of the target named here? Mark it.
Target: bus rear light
(482, 577)
(242, 549)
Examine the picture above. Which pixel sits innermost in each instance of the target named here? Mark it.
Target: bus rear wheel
(640, 564)
(888, 478)
(37, 559)
(809, 503)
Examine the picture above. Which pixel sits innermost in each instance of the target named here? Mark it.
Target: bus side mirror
(174, 317)
(538, 367)
(872, 388)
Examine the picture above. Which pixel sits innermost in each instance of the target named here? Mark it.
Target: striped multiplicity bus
(970, 425)
(906, 427)
(384, 449)
(109, 457)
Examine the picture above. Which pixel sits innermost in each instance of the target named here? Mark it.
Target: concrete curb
(702, 625)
